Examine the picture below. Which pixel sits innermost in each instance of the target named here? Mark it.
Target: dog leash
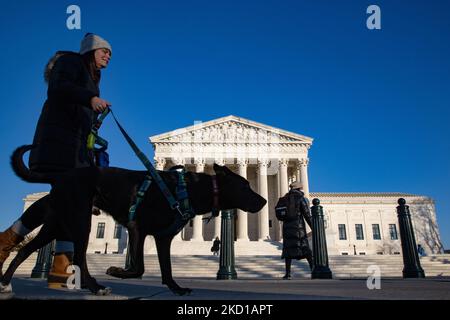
(93, 137)
(146, 162)
(185, 210)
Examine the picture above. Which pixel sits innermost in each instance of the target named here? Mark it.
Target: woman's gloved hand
(99, 105)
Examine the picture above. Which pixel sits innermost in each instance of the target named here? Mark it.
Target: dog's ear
(222, 170)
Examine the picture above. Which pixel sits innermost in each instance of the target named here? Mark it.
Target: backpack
(101, 158)
(287, 207)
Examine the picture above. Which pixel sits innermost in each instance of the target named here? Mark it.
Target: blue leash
(186, 210)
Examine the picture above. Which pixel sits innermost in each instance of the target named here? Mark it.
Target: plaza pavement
(150, 288)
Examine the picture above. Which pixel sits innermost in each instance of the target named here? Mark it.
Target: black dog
(113, 190)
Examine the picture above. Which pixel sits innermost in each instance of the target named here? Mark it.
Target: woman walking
(60, 140)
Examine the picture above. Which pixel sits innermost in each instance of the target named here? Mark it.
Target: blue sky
(376, 102)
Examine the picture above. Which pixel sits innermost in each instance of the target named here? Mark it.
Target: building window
(393, 232)
(117, 231)
(342, 232)
(362, 253)
(376, 232)
(100, 230)
(97, 252)
(191, 223)
(344, 253)
(359, 232)
(270, 223)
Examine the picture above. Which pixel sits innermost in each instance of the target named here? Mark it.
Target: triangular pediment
(230, 129)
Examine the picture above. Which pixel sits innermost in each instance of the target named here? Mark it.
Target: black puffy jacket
(295, 238)
(66, 118)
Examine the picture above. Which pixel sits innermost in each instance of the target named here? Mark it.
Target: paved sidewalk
(150, 288)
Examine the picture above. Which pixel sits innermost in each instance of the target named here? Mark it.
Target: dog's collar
(215, 207)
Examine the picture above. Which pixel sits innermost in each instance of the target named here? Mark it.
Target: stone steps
(269, 266)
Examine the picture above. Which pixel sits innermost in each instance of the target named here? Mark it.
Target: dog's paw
(181, 291)
(115, 272)
(5, 288)
(188, 291)
(105, 291)
(123, 273)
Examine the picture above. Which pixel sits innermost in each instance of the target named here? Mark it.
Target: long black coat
(295, 239)
(66, 118)
(215, 246)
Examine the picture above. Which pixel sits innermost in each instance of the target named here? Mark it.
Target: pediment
(230, 129)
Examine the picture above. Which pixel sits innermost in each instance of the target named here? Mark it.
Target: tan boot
(57, 277)
(8, 240)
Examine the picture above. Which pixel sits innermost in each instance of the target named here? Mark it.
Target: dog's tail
(22, 171)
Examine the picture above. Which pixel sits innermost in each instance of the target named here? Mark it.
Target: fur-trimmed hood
(52, 61)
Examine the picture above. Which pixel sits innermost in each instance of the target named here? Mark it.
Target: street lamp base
(321, 273)
(226, 274)
(413, 273)
(39, 274)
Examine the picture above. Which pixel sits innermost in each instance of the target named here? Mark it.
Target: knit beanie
(92, 41)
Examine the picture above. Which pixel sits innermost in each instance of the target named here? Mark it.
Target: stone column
(197, 232)
(263, 233)
(217, 220)
(302, 173)
(178, 237)
(297, 171)
(283, 185)
(160, 163)
(242, 224)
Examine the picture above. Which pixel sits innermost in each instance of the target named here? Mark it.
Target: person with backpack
(293, 210)
(421, 251)
(68, 115)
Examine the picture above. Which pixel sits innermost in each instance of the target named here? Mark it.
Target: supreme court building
(271, 158)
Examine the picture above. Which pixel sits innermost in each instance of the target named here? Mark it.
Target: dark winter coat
(216, 246)
(295, 239)
(66, 118)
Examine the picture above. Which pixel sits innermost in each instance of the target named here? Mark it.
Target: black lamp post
(321, 270)
(411, 261)
(226, 269)
(43, 261)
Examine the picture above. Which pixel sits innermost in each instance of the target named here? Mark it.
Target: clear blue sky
(377, 102)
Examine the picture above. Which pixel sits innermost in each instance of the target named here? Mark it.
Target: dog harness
(215, 208)
(139, 197)
(186, 211)
(181, 204)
